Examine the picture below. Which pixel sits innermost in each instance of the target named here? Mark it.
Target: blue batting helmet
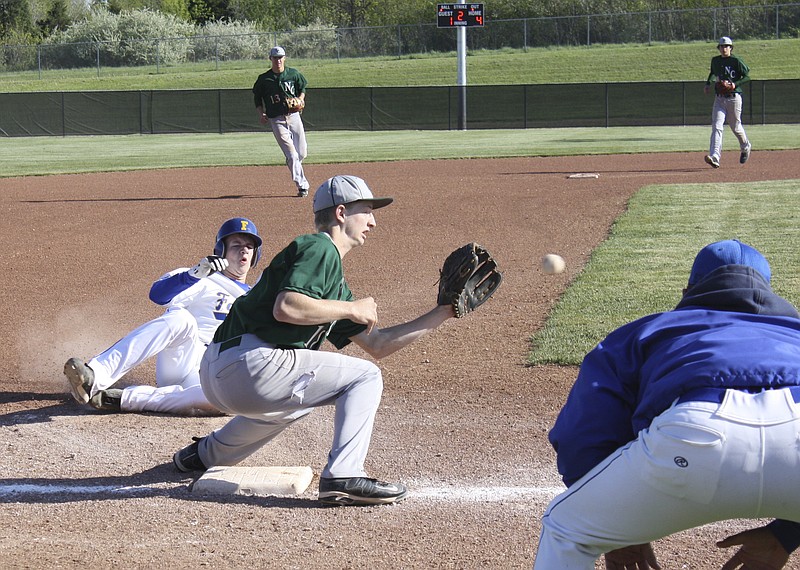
(238, 226)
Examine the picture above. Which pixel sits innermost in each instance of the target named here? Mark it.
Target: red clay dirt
(463, 422)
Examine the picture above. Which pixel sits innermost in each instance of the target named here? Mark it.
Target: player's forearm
(383, 342)
(298, 309)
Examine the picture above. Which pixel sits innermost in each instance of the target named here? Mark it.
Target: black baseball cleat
(745, 154)
(81, 379)
(359, 491)
(107, 400)
(302, 192)
(712, 161)
(187, 459)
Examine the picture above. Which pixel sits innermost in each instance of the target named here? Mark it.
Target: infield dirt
(463, 421)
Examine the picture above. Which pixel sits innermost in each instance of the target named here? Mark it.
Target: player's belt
(230, 343)
(716, 395)
(728, 95)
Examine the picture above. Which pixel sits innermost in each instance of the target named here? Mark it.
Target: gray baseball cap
(344, 189)
(725, 41)
(277, 51)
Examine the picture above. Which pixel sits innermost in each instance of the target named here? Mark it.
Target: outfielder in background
(197, 301)
(730, 73)
(265, 367)
(280, 96)
(684, 418)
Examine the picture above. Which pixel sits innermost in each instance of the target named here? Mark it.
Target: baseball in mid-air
(552, 263)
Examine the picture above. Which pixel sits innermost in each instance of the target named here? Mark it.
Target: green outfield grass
(24, 156)
(644, 264)
(768, 59)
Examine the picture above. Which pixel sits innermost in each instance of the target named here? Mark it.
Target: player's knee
(372, 378)
(181, 322)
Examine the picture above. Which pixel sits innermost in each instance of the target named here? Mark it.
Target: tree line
(34, 21)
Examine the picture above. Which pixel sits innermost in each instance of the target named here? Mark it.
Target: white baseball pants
(291, 137)
(270, 388)
(729, 108)
(697, 463)
(173, 338)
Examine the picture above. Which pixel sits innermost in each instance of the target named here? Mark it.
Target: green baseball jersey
(310, 265)
(271, 90)
(731, 68)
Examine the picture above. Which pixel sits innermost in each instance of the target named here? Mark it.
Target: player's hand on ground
(760, 550)
(365, 312)
(208, 265)
(634, 557)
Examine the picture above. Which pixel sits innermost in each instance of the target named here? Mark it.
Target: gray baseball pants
(726, 109)
(268, 389)
(291, 137)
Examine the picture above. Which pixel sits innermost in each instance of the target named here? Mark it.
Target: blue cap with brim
(727, 252)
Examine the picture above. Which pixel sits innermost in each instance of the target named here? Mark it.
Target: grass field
(769, 59)
(54, 155)
(642, 267)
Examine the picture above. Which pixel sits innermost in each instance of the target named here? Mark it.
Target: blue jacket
(729, 331)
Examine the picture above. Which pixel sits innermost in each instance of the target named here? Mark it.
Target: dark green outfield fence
(391, 108)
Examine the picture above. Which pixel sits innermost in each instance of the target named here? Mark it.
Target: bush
(18, 52)
(124, 39)
(227, 41)
(318, 39)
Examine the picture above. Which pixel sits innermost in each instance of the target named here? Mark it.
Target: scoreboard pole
(461, 76)
(460, 16)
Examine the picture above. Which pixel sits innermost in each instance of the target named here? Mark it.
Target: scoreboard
(456, 15)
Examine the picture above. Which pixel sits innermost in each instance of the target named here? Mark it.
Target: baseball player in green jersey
(727, 105)
(264, 366)
(270, 93)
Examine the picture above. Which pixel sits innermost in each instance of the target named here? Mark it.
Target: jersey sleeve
(744, 73)
(597, 416)
(258, 94)
(170, 285)
(301, 83)
(314, 271)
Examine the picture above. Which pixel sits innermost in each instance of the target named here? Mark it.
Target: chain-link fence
(751, 22)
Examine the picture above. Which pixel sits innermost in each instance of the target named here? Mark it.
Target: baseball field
(465, 415)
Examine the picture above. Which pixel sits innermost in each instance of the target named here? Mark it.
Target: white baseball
(552, 263)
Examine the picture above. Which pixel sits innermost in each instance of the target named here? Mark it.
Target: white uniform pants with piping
(173, 338)
(697, 463)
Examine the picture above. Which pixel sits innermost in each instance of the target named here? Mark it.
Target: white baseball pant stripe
(270, 388)
(729, 108)
(698, 462)
(291, 137)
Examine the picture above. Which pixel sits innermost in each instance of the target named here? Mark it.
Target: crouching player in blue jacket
(684, 418)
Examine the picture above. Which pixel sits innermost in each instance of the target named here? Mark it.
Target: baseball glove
(724, 87)
(468, 278)
(295, 104)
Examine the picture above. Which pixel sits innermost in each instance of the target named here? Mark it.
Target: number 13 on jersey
(456, 15)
